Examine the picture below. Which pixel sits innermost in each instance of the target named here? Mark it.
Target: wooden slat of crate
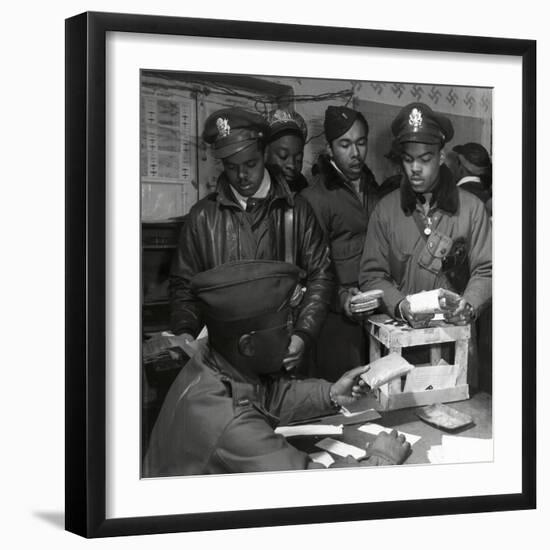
(392, 336)
(417, 399)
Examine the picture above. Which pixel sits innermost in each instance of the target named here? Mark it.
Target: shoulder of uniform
(306, 203)
(208, 395)
(204, 204)
(469, 199)
(387, 202)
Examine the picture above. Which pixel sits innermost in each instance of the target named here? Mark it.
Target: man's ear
(442, 157)
(329, 150)
(247, 345)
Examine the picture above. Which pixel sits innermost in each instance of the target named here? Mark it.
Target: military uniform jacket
(399, 260)
(216, 420)
(343, 215)
(218, 231)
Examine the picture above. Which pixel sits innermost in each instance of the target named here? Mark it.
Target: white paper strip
(323, 458)
(454, 449)
(340, 449)
(375, 429)
(309, 429)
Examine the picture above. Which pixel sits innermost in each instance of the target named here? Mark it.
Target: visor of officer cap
(245, 289)
(417, 122)
(232, 130)
(282, 121)
(338, 120)
(474, 153)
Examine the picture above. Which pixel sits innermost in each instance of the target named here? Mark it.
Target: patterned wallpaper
(458, 100)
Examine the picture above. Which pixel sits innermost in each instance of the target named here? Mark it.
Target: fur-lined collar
(333, 178)
(445, 194)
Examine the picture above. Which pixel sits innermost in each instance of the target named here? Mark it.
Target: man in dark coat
(475, 174)
(245, 219)
(220, 413)
(343, 194)
(474, 171)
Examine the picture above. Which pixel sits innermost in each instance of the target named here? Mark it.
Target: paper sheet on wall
(375, 429)
(436, 377)
(340, 449)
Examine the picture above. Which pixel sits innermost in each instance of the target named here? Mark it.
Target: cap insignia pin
(282, 116)
(222, 124)
(415, 119)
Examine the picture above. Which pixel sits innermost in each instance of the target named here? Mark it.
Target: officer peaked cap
(246, 290)
(282, 122)
(232, 130)
(417, 122)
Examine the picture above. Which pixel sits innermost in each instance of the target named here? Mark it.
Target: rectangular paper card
(341, 449)
(309, 429)
(322, 457)
(375, 429)
(437, 377)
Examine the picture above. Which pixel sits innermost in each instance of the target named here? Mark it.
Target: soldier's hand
(185, 341)
(462, 314)
(350, 387)
(295, 352)
(347, 462)
(416, 320)
(389, 448)
(354, 316)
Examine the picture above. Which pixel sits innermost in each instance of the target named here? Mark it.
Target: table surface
(479, 407)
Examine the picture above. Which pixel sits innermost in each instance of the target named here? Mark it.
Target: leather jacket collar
(279, 189)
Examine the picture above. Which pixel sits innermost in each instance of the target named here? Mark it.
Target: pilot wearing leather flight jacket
(428, 234)
(252, 215)
(220, 413)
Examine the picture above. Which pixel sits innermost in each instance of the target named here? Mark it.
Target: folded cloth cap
(233, 129)
(246, 293)
(474, 157)
(338, 120)
(417, 122)
(282, 121)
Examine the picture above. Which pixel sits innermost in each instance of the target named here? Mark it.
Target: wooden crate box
(387, 337)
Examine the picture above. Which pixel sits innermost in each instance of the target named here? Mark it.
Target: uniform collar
(277, 189)
(466, 179)
(444, 195)
(261, 193)
(335, 177)
(220, 364)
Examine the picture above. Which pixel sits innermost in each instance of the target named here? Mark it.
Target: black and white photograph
(275, 275)
(281, 243)
(316, 273)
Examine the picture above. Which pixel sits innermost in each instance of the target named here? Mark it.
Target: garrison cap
(246, 293)
(474, 157)
(282, 121)
(338, 120)
(417, 122)
(233, 129)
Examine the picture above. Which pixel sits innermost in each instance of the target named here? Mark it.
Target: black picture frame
(86, 263)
